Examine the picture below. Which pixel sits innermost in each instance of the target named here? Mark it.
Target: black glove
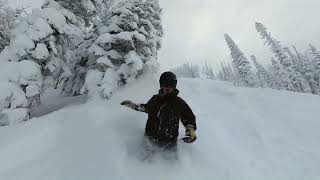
(127, 103)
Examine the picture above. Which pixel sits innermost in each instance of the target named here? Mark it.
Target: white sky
(194, 29)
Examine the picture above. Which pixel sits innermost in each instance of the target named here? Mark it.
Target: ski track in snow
(242, 134)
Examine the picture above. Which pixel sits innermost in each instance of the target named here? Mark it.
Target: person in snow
(165, 109)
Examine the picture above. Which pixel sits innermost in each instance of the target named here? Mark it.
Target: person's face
(167, 90)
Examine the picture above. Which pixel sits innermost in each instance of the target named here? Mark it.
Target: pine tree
(298, 64)
(244, 74)
(43, 42)
(315, 55)
(262, 74)
(8, 20)
(231, 74)
(305, 67)
(224, 73)
(312, 58)
(279, 75)
(207, 71)
(298, 54)
(295, 60)
(102, 9)
(84, 10)
(293, 80)
(125, 44)
(89, 12)
(220, 75)
(187, 70)
(312, 77)
(227, 73)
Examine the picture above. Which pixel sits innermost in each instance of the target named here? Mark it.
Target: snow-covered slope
(243, 133)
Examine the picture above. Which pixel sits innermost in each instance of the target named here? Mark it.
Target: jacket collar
(169, 96)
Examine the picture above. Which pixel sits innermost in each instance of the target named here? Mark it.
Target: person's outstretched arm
(138, 107)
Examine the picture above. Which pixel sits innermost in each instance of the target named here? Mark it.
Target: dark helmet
(168, 79)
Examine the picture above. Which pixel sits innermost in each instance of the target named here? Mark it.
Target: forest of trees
(289, 69)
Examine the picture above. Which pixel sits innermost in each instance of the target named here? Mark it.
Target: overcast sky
(194, 29)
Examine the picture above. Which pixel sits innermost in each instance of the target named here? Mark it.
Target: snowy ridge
(243, 133)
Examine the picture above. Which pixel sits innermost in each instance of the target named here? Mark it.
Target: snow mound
(13, 116)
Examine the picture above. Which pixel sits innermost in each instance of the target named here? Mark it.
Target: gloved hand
(127, 103)
(190, 135)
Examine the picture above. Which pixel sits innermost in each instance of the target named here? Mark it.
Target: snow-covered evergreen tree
(298, 60)
(243, 70)
(41, 50)
(224, 72)
(93, 14)
(294, 81)
(262, 74)
(84, 10)
(231, 72)
(279, 75)
(187, 70)
(8, 20)
(220, 75)
(102, 9)
(304, 65)
(312, 68)
(223, 76)
(295, 60)
(227, 73)
(315, 56)
(124, 45)
(207, 71)
(298, 54)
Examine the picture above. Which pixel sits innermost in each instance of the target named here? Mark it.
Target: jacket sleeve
(144, 107)
(188, 119)
(139, 107)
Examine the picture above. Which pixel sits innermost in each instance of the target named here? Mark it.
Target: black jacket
(164, 113)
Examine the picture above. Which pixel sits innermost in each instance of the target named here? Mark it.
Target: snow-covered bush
(13, 116)
(124, 46)
(13, 104)
(187, 70)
